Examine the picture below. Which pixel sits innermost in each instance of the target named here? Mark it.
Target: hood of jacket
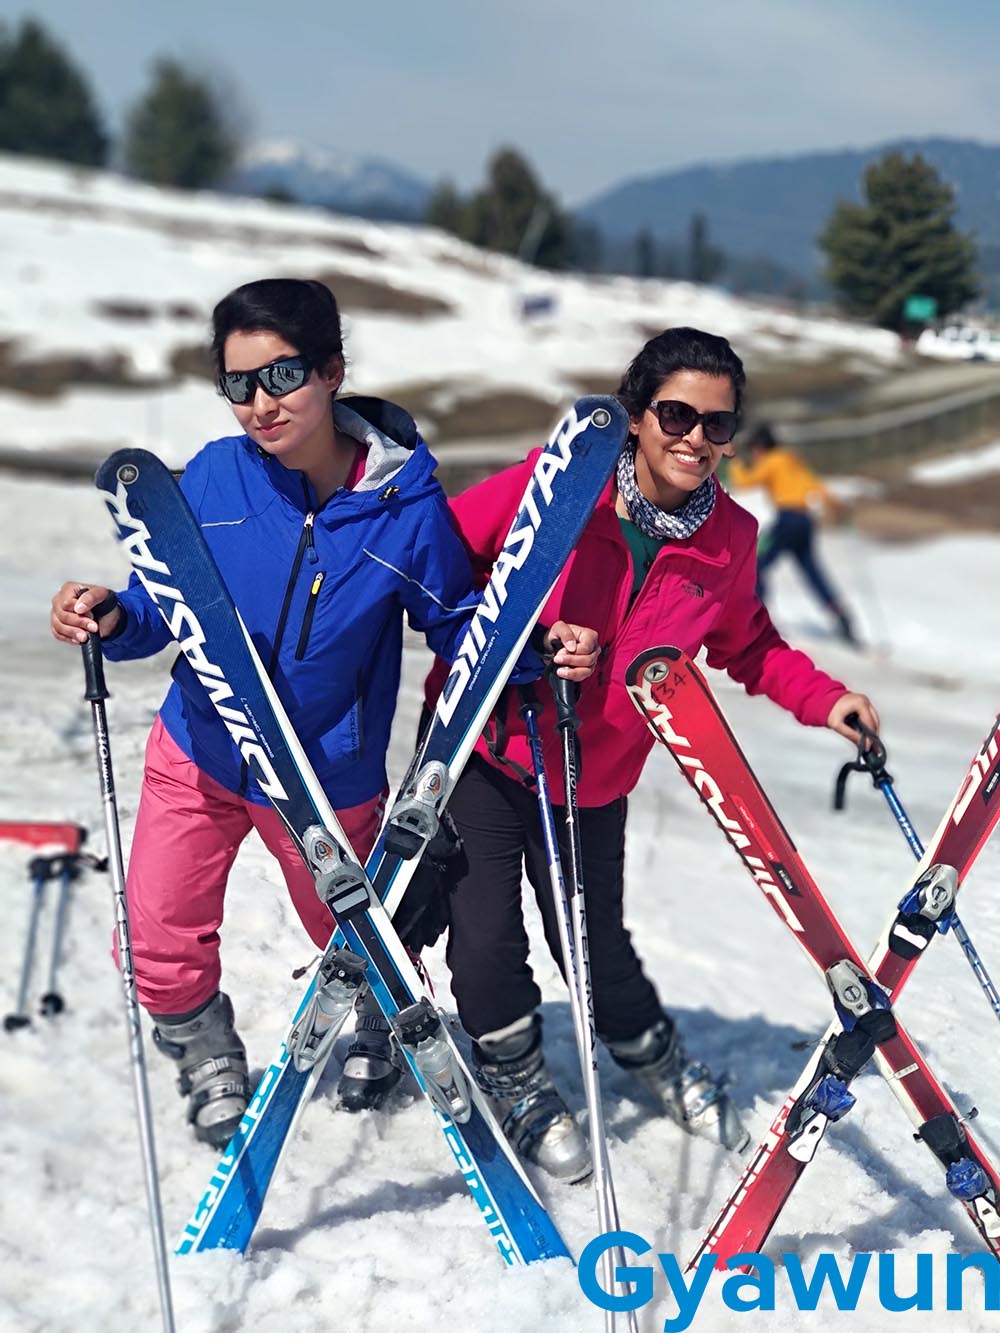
(397, 456)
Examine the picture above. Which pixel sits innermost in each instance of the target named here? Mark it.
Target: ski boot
(686, 1089)
(373, 1064)
(213, 1066)
(510, 1068)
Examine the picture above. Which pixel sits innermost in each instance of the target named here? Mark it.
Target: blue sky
(593, 93)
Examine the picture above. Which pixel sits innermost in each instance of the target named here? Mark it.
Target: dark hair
(761, 437)
(302, 312)
(674, 350)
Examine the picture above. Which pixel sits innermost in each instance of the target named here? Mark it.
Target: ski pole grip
(874, 757)
(565, 693)
(93, 670)
(871, 759)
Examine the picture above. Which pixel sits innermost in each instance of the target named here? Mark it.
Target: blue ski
(171, 559)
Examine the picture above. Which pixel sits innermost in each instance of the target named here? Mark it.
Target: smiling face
(669, 467)
(296, 428)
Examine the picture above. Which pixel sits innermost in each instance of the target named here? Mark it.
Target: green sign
(920, 309)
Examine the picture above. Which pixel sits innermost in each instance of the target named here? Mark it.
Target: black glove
(425, 911)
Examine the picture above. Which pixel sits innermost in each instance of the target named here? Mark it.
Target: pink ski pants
(187, 833)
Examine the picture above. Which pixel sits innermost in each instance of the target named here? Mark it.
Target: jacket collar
(712, 541)
(393, 443)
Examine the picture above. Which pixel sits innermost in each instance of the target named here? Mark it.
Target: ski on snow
(681, 712)
(174, 564)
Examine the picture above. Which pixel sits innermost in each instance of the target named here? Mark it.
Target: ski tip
(596, 419)
(124, 467)
(602, 411)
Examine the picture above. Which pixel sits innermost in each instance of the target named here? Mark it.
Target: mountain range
(339, 181)
(774, 208)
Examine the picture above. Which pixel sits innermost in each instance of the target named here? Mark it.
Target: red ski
(680, 710)
(45, 834)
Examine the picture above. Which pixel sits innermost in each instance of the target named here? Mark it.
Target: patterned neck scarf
(654, 522)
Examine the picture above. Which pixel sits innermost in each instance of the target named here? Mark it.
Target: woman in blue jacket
(327, 526)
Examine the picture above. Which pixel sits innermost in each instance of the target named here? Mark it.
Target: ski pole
(871, 759)
(68, 868)
(38, 872)
(565, 694)
(865, 584)
(573, 941)
(96, 692)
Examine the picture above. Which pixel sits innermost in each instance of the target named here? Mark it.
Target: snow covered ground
(367, 1225)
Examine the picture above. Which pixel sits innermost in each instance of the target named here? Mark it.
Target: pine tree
(900, 242)
(445, 209)
(645, 254)
(46, 107)
(705, 261)
(178, 133)
(515, 215)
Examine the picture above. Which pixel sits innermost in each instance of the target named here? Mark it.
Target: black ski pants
(499, 823)
(793, 531)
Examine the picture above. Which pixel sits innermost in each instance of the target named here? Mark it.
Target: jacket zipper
(306, 547)
(307, 619)
(359, 685)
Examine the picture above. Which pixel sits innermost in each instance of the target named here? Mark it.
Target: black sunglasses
(677, 418)
(277, 378)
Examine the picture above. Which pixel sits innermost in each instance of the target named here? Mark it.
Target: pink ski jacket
(699, 592)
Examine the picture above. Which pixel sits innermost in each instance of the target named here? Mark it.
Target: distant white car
(960, 342)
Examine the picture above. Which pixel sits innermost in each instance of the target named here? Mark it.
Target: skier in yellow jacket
(793, 489)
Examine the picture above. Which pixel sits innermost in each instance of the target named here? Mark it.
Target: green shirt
(644, 551)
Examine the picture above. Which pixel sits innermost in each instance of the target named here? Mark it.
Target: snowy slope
(366, 1226)
(128, 275)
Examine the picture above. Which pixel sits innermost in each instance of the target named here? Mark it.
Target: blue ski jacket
(322, 590)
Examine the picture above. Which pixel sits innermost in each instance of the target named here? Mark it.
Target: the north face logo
(693, 589)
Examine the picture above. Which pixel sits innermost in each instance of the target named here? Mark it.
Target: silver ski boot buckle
(340, 881)
(339, 981)
(859, 1002)
(933, 896)
(421, 1034)
(415, 817)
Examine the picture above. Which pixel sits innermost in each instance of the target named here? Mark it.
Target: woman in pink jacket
(668, 557)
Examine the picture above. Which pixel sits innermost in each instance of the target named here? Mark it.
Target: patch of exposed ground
(141, 312)
(595, 381)
(45, 377)
(194, 228)
(491, 413)
(906, 510)
(910, 510)
(355, 293)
